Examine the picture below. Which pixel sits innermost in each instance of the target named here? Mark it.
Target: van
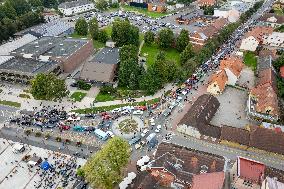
(101, 134)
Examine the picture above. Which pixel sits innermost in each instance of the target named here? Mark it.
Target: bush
(28, 132)
(80, 172)
(58, 139)
(103, 36)
(47, 136)
(38, 134)
(83, 85)
(108, 90)
(24, 95)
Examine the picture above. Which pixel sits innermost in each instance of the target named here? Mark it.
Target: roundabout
(128, 126)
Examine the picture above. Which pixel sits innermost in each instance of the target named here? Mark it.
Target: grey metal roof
(107, 55)
(25, 65)
(71, 4)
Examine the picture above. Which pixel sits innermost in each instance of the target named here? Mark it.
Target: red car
(154, 106)
(106, 116)
(64, 127)
(142, 108)
(103, 114)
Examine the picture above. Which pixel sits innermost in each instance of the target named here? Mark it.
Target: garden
(78, 96)
(128, 126)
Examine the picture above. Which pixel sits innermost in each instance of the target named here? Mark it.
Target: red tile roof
(282, 71)
(259, 32)
(221, 78)
(208, 181)
(233, 63)
(250, 170)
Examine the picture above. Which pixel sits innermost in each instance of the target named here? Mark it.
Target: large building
(102, 67)
(176, 166)
(68, 51)
(21, 70)
(75, 7)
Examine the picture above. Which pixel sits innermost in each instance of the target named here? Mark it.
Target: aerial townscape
(141, 94)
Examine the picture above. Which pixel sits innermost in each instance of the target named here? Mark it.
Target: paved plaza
(15, 173)
(232, 108)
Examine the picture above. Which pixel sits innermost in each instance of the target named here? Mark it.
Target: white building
(75, 7)
(249, 44)
(276, 39)
(232, 15)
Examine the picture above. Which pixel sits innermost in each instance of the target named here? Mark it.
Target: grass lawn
(150, 52)
(111, 107)
(24, 95)
(250, 60)
(104, 97)
(10, 103)
(78, 96)
(108, 30)
(75, 35)
(143, 11)
(278, 11)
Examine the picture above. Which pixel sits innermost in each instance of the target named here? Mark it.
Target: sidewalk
(68, 105)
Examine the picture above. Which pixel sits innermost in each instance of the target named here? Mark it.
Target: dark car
(90, 115)
(89, 128)
(74, 85)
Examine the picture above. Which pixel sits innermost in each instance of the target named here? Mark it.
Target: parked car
(64, 127)
(88, 128)
(116, 110)
(134, 140)
(137, 112)
(143, 108)
(105, 117)
(78, 128)
(110, 134)
(145, 132)
(154, 106)
(159, 127)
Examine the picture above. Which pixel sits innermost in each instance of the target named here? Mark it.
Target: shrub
(83, 85)
(58, 139)
(28, 132)
(38, 134)
(24, 95)
(80, 172)
(108, 90)
(47, 136)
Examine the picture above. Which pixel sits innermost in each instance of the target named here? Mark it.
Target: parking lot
(6, 112)
(232, 108)
(16, 173)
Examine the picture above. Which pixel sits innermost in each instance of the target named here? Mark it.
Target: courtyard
(232, 108)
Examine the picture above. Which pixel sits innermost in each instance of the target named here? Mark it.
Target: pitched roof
(264, 62)
(206, 2)
(184, 163)
(282, 71)
(274, 183)
(272, 172)
(268, 52)
(202, 111)
(220, 23)
(234, 134)
(267, 139)
(250, 170)
(272, 17)
(144, 180)
(220, 77)
(233, 63)
(267, 76)
(208, 181)
(259, 32)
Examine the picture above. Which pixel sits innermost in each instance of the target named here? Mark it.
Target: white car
(116, 110)
(159, 127)
(138, 112)
(153, 124)
(110, 134)
(144, 133)
(125, 112)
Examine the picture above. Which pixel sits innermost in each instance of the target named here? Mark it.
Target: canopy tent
(132, 175)
(18, 148)
(143, 160)
(123, 185)
(45, 165)
(34, 161)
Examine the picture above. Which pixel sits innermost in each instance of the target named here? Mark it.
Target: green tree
(104, 168)
(48, 87)
(150, 82)
(10, 26)
(21, 6)
(94, 28)
(81, 27)
(36, 3)
(208, 10)
(8, 10)
(123, 33)
(182, 40)
(165, 38)
(101, 4)
(186, 54)
(103, 36)
(50, 3)
(149, 37)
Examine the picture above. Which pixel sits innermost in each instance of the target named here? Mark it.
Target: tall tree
(81, 27)
(101, 4)
(165, 38)
(94, 28)
(103, 36)
(123, 33)
(186, 54)
(21, 6)
(182, 40)
(149, 37)
(48, 87)
(104, 168)
(8, 10)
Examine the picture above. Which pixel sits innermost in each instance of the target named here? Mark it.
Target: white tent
(132, 175)
(18, 147)
(123, 185)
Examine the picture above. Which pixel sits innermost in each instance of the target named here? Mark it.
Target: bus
(101, 134)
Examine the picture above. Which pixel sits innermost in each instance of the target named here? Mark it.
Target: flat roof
(71, 4)
(51, 46)
(26, 65)
(107, 55)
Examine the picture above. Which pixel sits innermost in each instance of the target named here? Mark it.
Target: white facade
(276, 39)
(188, 130)
(232, 15)
(249, 44)
(232, 78)
(71, 8)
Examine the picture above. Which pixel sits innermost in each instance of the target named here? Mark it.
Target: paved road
(6, 112)
(228, 152)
